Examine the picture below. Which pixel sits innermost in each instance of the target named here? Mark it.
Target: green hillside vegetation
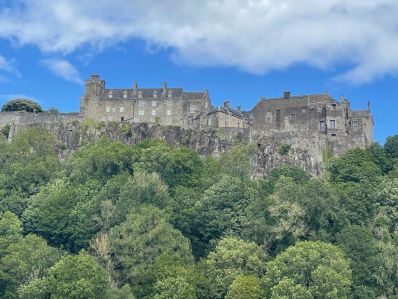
(154, 221)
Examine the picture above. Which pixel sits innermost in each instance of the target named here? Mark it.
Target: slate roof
(117, 94)
(228, 110)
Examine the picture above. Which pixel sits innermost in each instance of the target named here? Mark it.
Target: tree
(320, 268)
(176, 167)
(56, 213)
(21, 105)
(74, 276)
(141, 243)
(231, 258)
(356, 165)
(29, 161)
(391, 146)
(244, 287)
(10, 231)
(175, 288)
(102, 161)
(25, 260)
(221, 211)
(360, 246)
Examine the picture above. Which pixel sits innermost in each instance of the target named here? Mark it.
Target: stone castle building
(176, 107)
(311, 125)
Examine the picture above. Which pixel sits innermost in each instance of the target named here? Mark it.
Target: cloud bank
(257, 36)
(63, 69)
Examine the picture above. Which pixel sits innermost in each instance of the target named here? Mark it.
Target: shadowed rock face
(304, 149)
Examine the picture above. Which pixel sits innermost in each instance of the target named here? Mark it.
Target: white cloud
(8, 67)
(63, 69)
(254, 35)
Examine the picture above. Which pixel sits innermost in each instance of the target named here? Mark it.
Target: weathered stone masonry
(311, 125)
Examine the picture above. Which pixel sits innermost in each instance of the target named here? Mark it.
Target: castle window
(334, 106)
(122, 118)
(141, 112)
(292, 117)
(355, 125)
(170, 94)
(312, 107)
(110, 94)
(121, 109)
(303, 110)
(269, 117)
(319, 109)
(322, 126)
(333, 135)
(168, 112)
(113, 109)
(154, 103)
(140, 94)
(125, 94)
(153, 112)
(332, 124)
(169, 102)
(155, 94)
(141, 103)
(108, 109)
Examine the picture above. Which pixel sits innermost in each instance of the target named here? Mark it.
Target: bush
(284, 149)
(21, 105)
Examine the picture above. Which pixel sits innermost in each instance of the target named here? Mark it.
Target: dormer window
(140, 94)
(110, 94)
(125, 94)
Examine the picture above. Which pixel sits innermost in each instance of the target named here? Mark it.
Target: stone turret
(90, 101)
(94, 86)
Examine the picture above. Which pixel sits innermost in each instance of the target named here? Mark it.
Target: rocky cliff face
(304, 151)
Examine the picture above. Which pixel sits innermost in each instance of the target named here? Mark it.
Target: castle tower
(90, 101)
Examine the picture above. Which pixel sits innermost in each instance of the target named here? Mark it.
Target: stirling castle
(309, 125)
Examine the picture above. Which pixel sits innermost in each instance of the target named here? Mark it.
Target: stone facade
(311, 125)
(313, 113)
(166, 106)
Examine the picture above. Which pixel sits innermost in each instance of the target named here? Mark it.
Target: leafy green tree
(74, 276)
(30, 161)
(21, 105)
(321, 268)
(10, 231)
(244, 287)
(142, 189)
(55, 212)
(391, 146)
(231, 258)
(380, 157)
(356, 165)
(288, 289)
(176, 167)
(25, 260)
(175, 288)
(237, 162)
(102, 160)
(221, 211)
(360, 246)
(142, 241)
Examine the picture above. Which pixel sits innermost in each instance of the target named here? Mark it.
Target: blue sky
(238, 49)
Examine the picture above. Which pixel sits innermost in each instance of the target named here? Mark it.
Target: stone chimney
(286, 95)
(135, 87)
(94, 86)
(368, 105)
(164, 87)
(227, 104)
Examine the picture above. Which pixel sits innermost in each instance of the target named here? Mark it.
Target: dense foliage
(21, 105)
(154, 221)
